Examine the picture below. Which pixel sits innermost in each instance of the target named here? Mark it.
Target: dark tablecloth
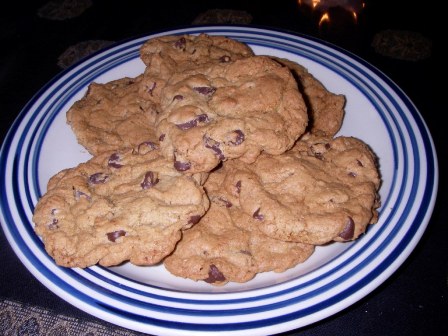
(41, 38)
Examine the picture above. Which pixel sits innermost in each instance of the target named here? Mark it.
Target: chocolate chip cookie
(118, 206)
(229, 110)
(113, 116)
(227, 246)
(320, 191)
(325, 108)
(166, 55)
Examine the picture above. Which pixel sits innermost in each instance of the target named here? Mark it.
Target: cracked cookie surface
(116, 207)
(113, 116)
(325, 108)
(227, 246)
(166, 55)
(320, 191)
(228, 111)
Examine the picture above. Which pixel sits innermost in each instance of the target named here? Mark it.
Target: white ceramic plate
(149, 299)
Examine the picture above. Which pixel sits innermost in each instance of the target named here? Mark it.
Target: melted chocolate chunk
(180, 43)
(98, 178)
(162, 137)
(239, 138)
(150, 180)
(114, 161)
(349, 229)
(238, 187)
(113, 236)
(79, 194)
(214, 146)
(152, 88)
(194, 219)
(222, 200)
(257, 215)
(182, 166)
(214, 275)
(194, 122)
(205, 90)
(53, 225)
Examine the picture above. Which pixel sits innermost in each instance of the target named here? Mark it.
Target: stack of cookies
(218, 163)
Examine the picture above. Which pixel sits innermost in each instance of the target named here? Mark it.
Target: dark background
(413, 301)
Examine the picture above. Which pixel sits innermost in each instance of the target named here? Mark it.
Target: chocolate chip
(152, 88)
(257, 215)
(113, 236)
(98, 178)
(114, 160)
(194, 219)
(79, 194)
(352, 174)
(182, 166)
(178, 97)
(162, 137)
(180, 43)
(349, 229)
(239, 138)
(150, 180)
(214, 146)
(205, 90)
(214, 275)
(194, 122)
(238, 187)
(54, 224)
(226, 203)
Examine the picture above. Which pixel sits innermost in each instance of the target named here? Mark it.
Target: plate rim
(424, 215)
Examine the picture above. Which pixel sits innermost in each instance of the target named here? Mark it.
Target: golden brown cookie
(227, 111)
(326, 109)
(113, 116)
(166, 55)
(227, 246)
(118, 206)
(319, 191)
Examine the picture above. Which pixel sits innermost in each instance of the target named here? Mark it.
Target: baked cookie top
(322, 190)
(113, 116)
(118, 206)
(325, 109)
(229, 110)
(227, 246)
(189, 51)
(166, 55)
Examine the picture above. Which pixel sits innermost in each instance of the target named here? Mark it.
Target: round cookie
(227, 246)
(326, 109)
(229, 110)
(113, 116)
(118, 206)
(319, 191)
(166, 55)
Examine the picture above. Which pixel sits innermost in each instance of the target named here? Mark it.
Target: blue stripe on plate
(366, 79)
(369, 95)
